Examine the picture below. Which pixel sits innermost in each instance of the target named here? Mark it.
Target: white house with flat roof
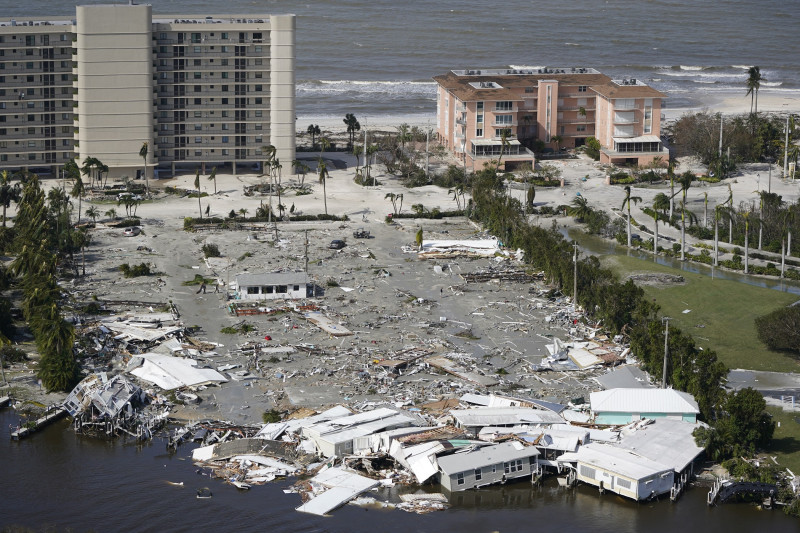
(272, 286)
(621, 406)
(620, 471)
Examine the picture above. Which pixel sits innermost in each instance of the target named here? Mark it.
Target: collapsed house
(335, 437)
(111, 405)
(170, 373)
(473, 420)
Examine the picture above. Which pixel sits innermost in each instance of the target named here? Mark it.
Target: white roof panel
(643, 401)
(669, 442)
(617, 460)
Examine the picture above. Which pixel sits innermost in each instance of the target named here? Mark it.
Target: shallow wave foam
(411, 89)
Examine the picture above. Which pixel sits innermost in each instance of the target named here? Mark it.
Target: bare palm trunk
(629, 225)
(746, 251)
(783, 256)
(789, 244)
(655, 240)
(760, 231)
(730, 232)
(716, 243)
(683, 236)
(325, 195)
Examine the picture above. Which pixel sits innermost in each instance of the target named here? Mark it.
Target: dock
(723, 489)
(4, 401)
(49, 417)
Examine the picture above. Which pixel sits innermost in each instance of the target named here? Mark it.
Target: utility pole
(306, 252)
(769, 179)
(786, 149)
(720, 136)
(427, 153)
(666, 320)
(575, 276)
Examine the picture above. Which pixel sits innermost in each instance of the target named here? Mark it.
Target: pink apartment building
(560, 107)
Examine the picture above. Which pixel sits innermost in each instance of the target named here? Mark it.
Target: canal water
(57, 480)
(594, 245)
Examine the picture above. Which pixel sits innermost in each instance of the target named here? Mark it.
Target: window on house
(582, 88)
(503, 119)
(504, 106)
(198, 140)
(198, 152)
(197, 75)
(478, 475)
(580, 128)
(198, 88)
(460, 478)
(224, 138)
(281, 289)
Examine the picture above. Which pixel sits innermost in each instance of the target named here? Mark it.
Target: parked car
(132, 231)
(336, 244)
(361, 233)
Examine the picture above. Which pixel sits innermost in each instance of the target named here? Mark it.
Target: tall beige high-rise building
(209, 90)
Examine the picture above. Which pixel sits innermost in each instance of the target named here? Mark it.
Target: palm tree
(89, 168)
(8, 193)
(729, 201)
(111, 213)
(352, 126)
(197, 186)
(322, 169)
(655, 221)
(671, 176)
(78, 190)
(580, 208)
(403, 135)
(627, 202)
(213, 177)
(301, 168)
(503, 144)
(530, 196)
(557, 140)
(323, 177)
(705, 209)
(395, 198)
(143, 155)
(685, 181)
(754, 80)
(313, 130)
(661, 203)
(243, 212)
(93, 213)
(746, 217)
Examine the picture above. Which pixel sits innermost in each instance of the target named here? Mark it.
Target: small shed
(487, 465)
(272, 286)
(620, 471)
(622, 406)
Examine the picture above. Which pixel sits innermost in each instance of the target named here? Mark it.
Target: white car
(132, 231)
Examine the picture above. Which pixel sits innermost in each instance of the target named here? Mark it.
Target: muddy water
(59, 480)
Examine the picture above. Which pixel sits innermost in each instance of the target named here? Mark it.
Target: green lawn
(786, 440)
(725, 308)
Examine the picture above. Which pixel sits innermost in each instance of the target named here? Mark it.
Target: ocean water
(375, 58)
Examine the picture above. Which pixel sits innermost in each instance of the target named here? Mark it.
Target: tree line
(622, 308)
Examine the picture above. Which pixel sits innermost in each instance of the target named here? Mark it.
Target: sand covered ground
(390, 299)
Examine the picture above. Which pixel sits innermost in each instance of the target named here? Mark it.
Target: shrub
(12, 354)
(270, 417)
(211, 250)
(780, 330)
(142, 269)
